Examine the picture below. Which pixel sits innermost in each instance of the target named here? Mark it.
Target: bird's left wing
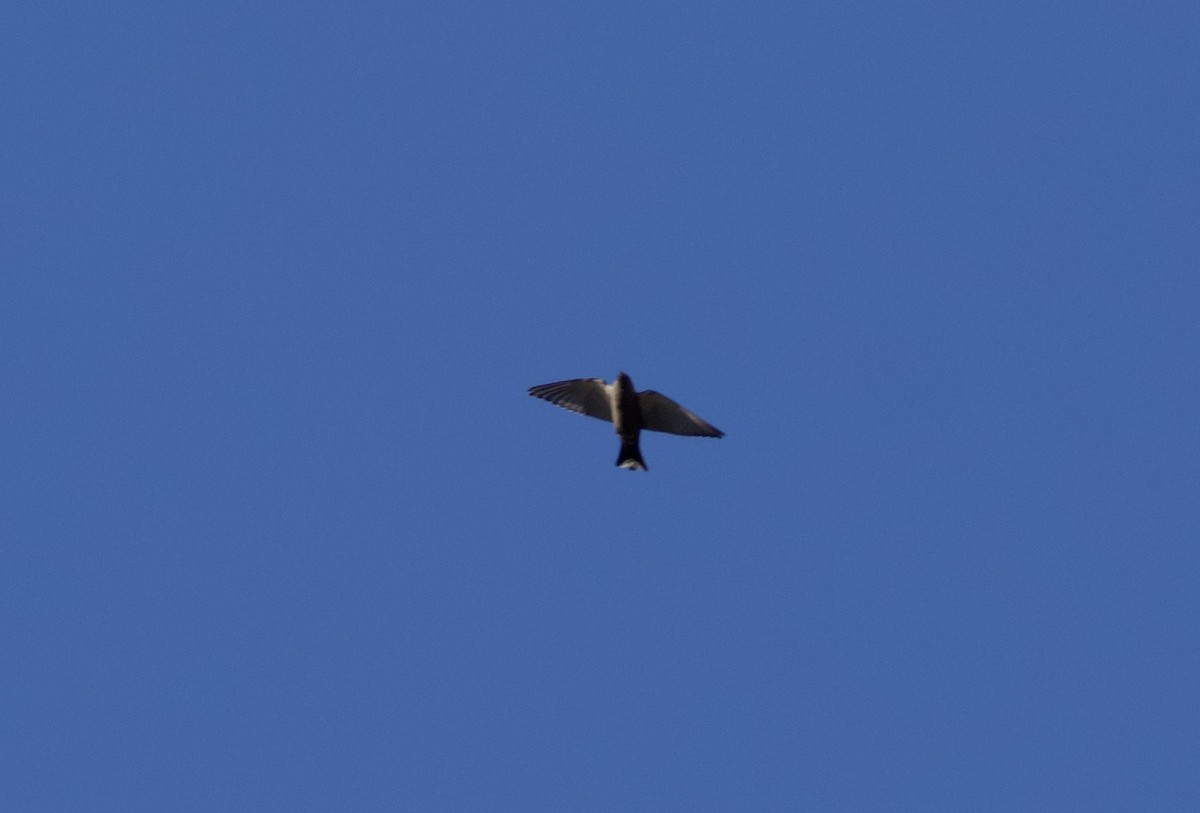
(661, 414)
(587, 396)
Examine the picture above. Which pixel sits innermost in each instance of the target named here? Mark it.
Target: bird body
(627, 423)
(629, 411)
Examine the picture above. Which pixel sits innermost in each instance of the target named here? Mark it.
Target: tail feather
(631, 456)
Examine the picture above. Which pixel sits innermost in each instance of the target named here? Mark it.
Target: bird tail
(631, 456)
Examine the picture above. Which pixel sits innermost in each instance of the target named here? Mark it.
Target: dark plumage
(629, 411)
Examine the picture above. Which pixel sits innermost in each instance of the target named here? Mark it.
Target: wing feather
(587, 396)
(661, 414)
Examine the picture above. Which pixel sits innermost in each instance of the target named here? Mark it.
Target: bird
(627, 409)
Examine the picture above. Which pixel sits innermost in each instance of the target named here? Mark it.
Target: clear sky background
(281, 529)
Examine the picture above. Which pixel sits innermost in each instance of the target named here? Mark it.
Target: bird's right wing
(587, 396)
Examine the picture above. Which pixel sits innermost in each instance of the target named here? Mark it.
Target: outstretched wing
(661, 414)
(587, 396)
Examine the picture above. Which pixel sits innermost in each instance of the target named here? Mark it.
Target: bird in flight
(629, 411)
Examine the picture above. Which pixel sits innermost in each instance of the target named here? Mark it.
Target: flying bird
(629, 411)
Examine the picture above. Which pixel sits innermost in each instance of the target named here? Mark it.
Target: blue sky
(282, 530)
